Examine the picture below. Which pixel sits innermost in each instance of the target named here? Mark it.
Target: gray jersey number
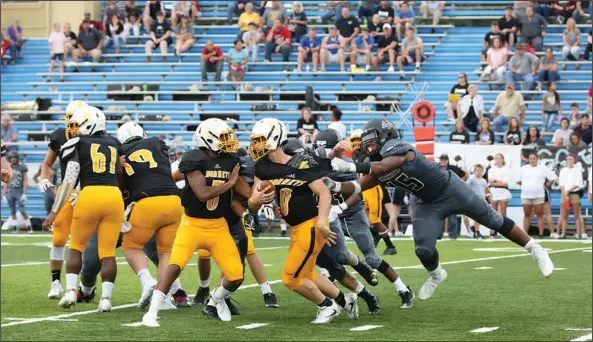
(404, 181)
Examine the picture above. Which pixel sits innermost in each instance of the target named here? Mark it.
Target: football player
(211, 172)
(441, 193)
(6, 169)
(61, 226)
(15, 192)
(297, 181)
(92, 158)
(155, 206)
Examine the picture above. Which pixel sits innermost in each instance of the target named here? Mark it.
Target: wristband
(363, 167)
(357, 188)
(343, 206)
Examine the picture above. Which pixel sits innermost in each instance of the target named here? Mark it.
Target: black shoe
(82, 298)
(390, 251)
(372, 302)
(283, 234)
(366, 272)
(210, 312)
(407, 299)
(180, 299)
(270, 300)
(479, 236)
(201, 295)
(232, 308)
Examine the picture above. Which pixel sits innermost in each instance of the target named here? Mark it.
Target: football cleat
(210, 312)
(180, 299)
(85, 298)
(351, 307)
(372, 302)
(68, 300)
(232, 308)
(56, 290)
(146, 296)
(104, 305)
(407, 299)
(431, 284)
(543, 260)
(390, 251)
(326, 313)
(150, 320)
(221, 309)
(270, 300)
(367, 273)
(167, 304)
(201, 295)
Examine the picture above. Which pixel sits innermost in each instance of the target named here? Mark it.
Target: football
(267, 184)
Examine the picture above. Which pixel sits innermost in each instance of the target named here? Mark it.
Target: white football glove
(334, 211)
(267, 211)
(44, 185)
(24, 199)
(73, 198)
(331, 184)
(340, 165)
(406, 200)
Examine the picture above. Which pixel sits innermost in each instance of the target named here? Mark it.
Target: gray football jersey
(17, 176)
(421, 177)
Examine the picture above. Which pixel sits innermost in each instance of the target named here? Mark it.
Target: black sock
(326, 302)
(374, 232)
(365, 294)
(388, 241)
(341, 300)
(55, 275)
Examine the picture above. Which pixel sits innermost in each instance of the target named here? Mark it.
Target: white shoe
(543, 260)
(56, 290)
(150, 320)
(104, 305)
(430, 286)
(221, 309)
(167, 304)
(446, 234)
(326, 313)
(398, 234)
(351, 307)
(391, 69)
(584, 236)
(553, 235)
(146, 296)
(69, 299)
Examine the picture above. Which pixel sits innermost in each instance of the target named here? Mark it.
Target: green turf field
(498, 286)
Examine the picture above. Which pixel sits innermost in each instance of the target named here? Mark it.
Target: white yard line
(587, 337)
(252, 326)
(365, 327)
(53, 320)
(578, 329)
(484, 330)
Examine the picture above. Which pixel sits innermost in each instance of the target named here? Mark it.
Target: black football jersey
(216, 171)
(148, 169)
(247, 172)
(57, 139)
(98, 156)
(296, 200)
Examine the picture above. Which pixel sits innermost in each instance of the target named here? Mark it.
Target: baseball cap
(444, 157)
(386, 26)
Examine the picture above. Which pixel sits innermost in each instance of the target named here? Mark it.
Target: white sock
(157, 301)
(417, 64)
(106, 289)
(399, 285)
(436, 271)
(145, 278)
(176, 286)
(205, 283)
(71, 280)
(530, 244)
(265, 288)
(86, 290)
(56, 253)
(359, 287)
(220, 293)
(283, 227)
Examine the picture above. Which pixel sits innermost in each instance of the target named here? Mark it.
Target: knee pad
(291, 282)
(59, 240)
(507, 226)
(373, 260)
(343, 257)
(424, 253)
(337, 272)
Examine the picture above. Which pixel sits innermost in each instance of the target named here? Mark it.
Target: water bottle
(145, 87)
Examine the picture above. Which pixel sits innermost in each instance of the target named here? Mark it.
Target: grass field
(491, 284)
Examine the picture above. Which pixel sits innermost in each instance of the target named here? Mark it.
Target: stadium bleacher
(451, 48)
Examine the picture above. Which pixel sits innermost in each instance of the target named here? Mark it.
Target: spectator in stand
(574, 116)
(533, 28)
(571, 37)
(160, 36)
(110, 10)
(563, 10)
(181, 9)
(184, 35)
(15, 192)
(307, 126)
(71, 42)
(237, 59)
(471, 108)
(252, 38)
(57, 41)
(212, 61)
(551, 107)
(589, 46)
(133, 20)
(386, 45)
(575, 144)
(277, 11)
(489, 40)
(509, 26)
(533, 179)
(562, 135)
(7, 45)
(114, 31)
(297, 21)
(375, 27)
(405, 17)
(411, 51)
(151, 12)
(90, 43)
(497, 62)
(548, 68)
(235, 8)
(434, 8)
(522, 67)
(330, 50)
(511, 104)
(521, 7)
(532, 143)
(579, 12)
(485, 136)
(362, 50)
(278, 41)
(584, 129)
(366, 9)
(247, 18)
(334, 10)
(9, 132)
(498, 182)
(15, 33)
(514, 134)
(309, 50)
(93, 23)
(589, 100)
(544, 8)
(458, 91)
(336, 124)
(459, 134)
(348, 28)
(385, 12)
(571, 185)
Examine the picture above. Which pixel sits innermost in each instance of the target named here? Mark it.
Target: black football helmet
(293, 146)
(376, 133)
(327, 138)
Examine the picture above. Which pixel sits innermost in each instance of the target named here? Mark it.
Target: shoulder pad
(395, 147)
(68, 148)
(192, 161)
(302, 161)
